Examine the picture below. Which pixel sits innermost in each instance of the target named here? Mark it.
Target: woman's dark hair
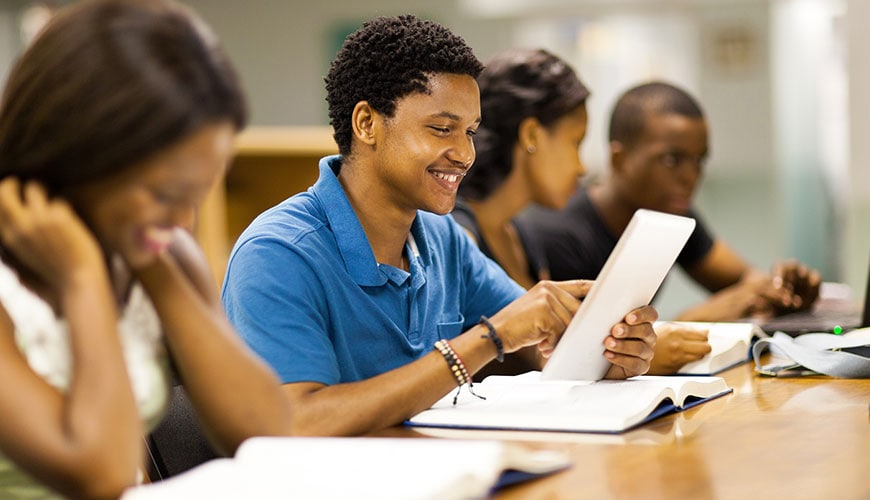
(517, 84)
(389, 58)
(107, 84)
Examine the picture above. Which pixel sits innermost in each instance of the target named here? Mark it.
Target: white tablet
(629, 279)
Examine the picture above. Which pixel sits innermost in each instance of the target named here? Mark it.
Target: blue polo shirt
(305, 292)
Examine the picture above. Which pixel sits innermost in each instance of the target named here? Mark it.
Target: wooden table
(782, 438)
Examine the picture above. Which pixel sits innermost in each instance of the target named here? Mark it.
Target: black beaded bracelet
(493, 336)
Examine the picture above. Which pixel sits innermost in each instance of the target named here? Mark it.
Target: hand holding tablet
(647, 249)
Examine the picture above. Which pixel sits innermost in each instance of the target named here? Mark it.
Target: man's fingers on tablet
(629, 347)
(645, 314)
(631, 365)
(561, 304)
(643, 332)
(576, 288)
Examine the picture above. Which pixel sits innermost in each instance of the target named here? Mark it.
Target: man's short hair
(628, 118)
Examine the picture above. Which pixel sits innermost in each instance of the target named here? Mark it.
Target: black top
(463, 214)
(577, 242)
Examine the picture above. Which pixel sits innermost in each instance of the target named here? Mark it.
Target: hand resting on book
(727, 344)
(677, 345)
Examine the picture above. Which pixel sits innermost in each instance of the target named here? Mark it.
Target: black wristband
(493, 336)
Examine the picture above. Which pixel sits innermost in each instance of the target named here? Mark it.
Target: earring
(531, 150)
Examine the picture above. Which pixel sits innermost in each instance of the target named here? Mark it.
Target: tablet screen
(635, 269)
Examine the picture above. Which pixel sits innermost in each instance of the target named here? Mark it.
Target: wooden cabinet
(271, 164)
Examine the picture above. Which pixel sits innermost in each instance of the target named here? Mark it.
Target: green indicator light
(838, 330)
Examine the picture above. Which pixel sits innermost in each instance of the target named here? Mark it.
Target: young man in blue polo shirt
(366, 300)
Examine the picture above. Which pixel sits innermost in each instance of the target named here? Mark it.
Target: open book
(681, 425)
(268, 468)
(526, 402)
(730, 343)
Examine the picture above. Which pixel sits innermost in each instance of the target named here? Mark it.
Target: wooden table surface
(773, 438)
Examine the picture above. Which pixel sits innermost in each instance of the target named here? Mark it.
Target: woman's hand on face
(46, 234)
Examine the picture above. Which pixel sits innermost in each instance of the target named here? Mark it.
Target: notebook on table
(827, 315)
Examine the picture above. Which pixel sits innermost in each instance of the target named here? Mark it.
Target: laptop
(826, 316)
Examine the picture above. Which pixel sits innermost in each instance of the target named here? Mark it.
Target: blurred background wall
(785, 85)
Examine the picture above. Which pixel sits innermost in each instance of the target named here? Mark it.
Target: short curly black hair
(389, 58)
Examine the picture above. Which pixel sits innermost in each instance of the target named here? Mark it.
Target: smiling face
(555, 166)
(133, 214)
(424, 150)
(662, 169)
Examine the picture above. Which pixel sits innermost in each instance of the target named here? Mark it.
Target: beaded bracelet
(453, 361)
(493, 336)
(457, 367)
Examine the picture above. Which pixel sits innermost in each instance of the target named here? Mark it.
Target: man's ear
(617, 156)
(529, 133)
(363, 122)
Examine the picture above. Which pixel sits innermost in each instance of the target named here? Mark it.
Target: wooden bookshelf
(271, 164)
